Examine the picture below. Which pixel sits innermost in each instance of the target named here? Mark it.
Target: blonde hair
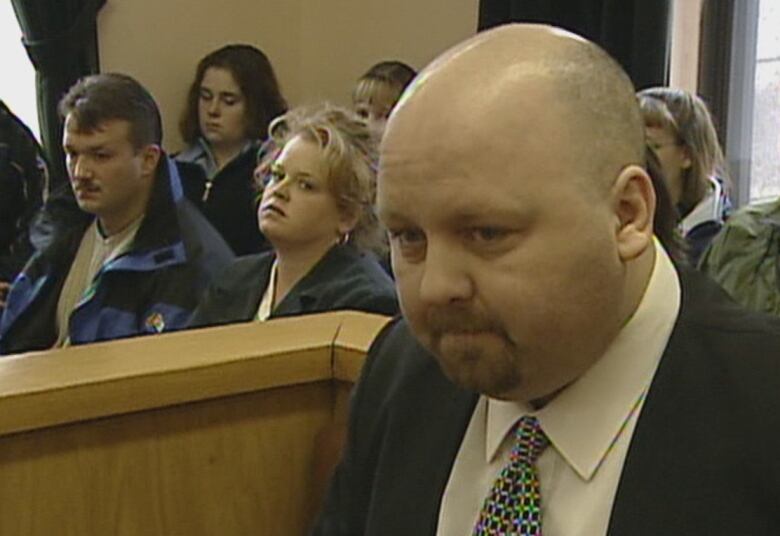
(385, 80)
(687, 117)
(350, 151)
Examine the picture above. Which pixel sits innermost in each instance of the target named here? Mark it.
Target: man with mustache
(553, 371)
(127, 254)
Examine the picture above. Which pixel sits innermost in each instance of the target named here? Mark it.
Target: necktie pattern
(514, 503)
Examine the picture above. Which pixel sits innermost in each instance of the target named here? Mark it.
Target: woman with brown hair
(230, 104)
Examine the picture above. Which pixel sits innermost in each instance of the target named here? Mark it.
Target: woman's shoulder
(246, 269)
(357, 281)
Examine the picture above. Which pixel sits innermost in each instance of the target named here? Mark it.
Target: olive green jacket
(745, 257)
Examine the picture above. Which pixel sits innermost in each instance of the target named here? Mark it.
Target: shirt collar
(117, 238)
(584, 420)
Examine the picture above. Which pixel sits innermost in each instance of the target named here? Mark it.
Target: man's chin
(482, 374)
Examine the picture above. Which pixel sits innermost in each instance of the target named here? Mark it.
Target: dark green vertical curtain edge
(60, 37)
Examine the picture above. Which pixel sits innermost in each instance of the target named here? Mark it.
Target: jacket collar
(311, 286)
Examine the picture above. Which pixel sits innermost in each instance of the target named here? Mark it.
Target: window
(17, 83)
(765, 154)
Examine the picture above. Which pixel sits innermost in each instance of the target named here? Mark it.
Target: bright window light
(17, 82)
(765, 161)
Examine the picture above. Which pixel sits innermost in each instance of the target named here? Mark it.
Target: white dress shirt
(589, 425)
(269, 297)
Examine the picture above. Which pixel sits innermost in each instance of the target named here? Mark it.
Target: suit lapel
(245, 300)
(419, 455)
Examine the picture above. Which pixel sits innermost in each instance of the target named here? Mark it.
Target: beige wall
(318, 47)
(685, 44)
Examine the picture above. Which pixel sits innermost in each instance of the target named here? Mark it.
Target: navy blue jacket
(343, 279)
(153, 287)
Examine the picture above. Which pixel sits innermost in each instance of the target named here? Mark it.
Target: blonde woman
(679, 130)
(316, 209)
(377, 91)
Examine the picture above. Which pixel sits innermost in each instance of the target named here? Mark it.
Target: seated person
(745, 257)
(22, 186)
(317, 211)
(129, 255)
(230, 103)
(377, 91)
(680, 131)
(553, 372)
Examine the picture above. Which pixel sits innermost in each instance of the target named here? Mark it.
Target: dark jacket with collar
(151, 288)
(342, 279)
(23, 180)
(702, 460)
(231, 204)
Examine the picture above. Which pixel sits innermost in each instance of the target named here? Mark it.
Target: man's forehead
(106, 130)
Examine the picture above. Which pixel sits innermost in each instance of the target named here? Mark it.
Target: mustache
(455, 319)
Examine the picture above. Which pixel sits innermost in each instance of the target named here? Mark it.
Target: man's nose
(446, 278)
(80, 169)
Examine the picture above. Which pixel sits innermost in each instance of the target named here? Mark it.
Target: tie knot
(530, 440)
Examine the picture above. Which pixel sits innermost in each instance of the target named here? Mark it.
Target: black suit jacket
(703, 458)
(342, 279)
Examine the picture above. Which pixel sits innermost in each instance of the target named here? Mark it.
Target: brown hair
(103, 97)
(254, 75)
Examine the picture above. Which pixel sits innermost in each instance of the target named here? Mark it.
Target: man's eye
(407, 237)
(411, 244)
(487, 234)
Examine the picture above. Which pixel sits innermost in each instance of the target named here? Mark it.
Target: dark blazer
(703, 458)
(342, 279)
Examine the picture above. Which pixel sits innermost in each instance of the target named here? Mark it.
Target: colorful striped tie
(514, 504)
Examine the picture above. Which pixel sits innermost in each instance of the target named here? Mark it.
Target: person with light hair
(316, 209)
(680, 131)
(377, 91)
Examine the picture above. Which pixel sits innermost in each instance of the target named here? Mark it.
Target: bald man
(553, 371)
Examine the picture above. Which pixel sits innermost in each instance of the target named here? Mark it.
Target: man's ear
(150, 156)
(634, 205)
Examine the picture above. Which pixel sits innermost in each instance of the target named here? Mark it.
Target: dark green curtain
(61, 39)
(635, 32)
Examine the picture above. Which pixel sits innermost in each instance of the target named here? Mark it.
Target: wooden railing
(221, 431)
